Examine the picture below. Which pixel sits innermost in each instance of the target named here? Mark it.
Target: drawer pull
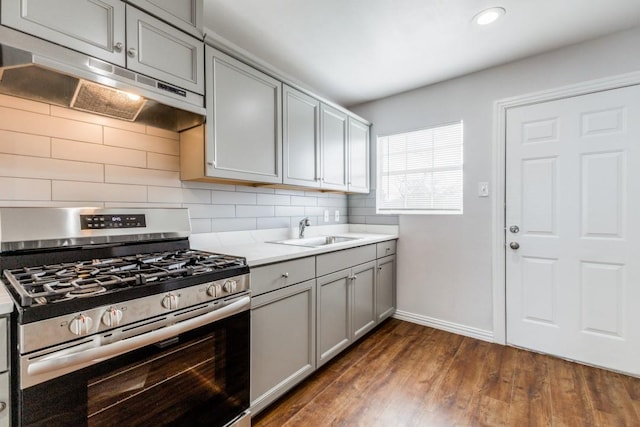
(387, 249)
(285, 275)
(3, 406)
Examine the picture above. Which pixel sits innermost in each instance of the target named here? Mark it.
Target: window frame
(419, 211)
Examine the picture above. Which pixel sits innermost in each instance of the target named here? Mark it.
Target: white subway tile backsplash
(247, 211)
(273, 199)
(192, 195)
(304, 201)
(273, 222)
(247, 189)
(163, 162)
(94, 153)
(25, 144)
(127, 175)
(211, 211)
(40, 124)
(138, 141)
(140, 205)
(24, 104)
(233, 198)
(233, 224)
(200, 225)
(89, 192)
(44, 168)
(25, 189)
(208, 186)
(163, 133)
(164, 194)
(289, 211)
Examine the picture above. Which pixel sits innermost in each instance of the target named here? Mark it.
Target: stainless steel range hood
(36, 69)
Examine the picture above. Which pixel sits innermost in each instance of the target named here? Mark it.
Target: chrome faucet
(304, 222)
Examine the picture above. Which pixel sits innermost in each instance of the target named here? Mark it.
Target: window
(420, 172)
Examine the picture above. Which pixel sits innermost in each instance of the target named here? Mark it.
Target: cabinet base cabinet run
(306, 311)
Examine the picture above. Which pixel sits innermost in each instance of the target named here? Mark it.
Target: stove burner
(60, 282)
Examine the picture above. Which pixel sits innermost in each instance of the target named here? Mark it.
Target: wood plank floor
(404, 374)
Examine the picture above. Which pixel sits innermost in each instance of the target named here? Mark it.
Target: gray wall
(444, 262)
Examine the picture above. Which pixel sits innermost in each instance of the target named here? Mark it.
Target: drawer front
(275, 276)
(385, 248)
(4, 398)
(339, 260)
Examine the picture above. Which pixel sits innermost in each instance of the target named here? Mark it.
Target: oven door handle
(94, 355)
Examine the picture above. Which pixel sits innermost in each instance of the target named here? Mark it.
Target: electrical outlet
(326, 215)
(337, 215)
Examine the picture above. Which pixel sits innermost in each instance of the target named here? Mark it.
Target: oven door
(198, 377)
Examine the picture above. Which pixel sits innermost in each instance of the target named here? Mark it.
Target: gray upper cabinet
(244, 128)
(183, 14)
(157, 49)
(358, 181)
(333, 136)
(96, 27)
(301, 138)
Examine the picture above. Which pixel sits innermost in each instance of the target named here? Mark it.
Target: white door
(573, 192)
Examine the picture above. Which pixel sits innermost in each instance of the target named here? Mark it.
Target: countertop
(255, 245)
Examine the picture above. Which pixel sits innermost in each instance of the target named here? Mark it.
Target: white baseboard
(444, 325)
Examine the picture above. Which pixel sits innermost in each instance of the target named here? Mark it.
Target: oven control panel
(104, 222)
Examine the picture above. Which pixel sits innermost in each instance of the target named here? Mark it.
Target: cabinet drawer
(275, 276)
(334, 261)
(385, 248)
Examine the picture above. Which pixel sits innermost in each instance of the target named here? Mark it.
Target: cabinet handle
(132, 52)
(210, 163)
(379, 268)
(285, 275)
(118, 47)
(3, 406)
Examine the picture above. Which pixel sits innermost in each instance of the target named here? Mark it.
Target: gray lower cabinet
(385, 287)
(346, 308)
(283, 341)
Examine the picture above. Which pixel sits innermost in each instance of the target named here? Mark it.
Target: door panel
(573, 274)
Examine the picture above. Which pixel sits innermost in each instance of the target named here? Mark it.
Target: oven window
(197, 379)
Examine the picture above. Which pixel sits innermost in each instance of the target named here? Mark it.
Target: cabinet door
(386, 287)
(184, 14)
(334, 148)
(5, 397)
(301, 138)
(358, 156)
(282, 341)
(334, 314)
(94, 27)
(160, 51)
(364, 305)
(243, 121)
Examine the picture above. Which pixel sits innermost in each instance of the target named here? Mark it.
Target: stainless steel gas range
(119, 322)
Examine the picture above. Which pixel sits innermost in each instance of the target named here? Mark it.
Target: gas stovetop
(57, 283)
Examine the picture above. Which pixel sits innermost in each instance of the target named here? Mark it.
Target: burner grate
(59, 282)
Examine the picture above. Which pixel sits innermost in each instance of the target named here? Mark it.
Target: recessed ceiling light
(489, 16)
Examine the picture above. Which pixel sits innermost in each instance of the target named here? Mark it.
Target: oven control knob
(112, 317)
(80, 325)
(230, 286)
(170, 301)
(214, 290)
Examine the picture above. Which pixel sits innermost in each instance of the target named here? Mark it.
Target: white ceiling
(352, 51)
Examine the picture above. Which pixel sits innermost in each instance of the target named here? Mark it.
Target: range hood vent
(70, 79)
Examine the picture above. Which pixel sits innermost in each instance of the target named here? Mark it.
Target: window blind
(421, 171)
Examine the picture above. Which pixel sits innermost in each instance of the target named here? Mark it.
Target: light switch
(483, 189)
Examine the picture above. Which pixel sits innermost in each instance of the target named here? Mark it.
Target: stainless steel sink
(315, 242)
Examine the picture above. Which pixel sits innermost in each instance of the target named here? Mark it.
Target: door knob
(514, 229)
(514, 245)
